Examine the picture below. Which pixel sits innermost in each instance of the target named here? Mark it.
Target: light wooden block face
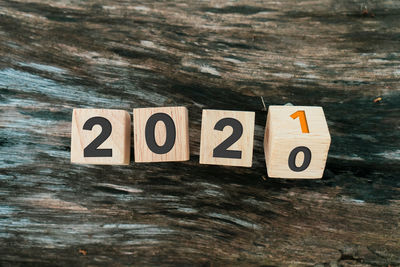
(161, 134)
(100, 136)
(227, 137)
(296, 142)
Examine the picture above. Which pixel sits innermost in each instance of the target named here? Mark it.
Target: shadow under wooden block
(296, 142)
(227, 137)
(161, 134)
(100, 136)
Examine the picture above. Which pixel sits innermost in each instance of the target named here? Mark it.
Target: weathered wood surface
(57, 55)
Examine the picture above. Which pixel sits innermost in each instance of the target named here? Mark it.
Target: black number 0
(292, 158)
(221, 151)
(92, 149)
(170, 133)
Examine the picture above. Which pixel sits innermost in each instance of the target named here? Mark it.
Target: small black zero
(292, 158)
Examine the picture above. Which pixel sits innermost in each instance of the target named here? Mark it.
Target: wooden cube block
(161, 134)
(100, 136)
(296, 142)
(227, 137)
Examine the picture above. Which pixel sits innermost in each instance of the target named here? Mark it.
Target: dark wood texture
(57, 55)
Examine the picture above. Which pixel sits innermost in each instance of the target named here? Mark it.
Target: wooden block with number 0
(227, 137)
(161, 134)
(296, 142)
(100, 136)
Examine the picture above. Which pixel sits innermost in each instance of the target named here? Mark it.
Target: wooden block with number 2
(227, 137)
(100, 136)
(296, 142)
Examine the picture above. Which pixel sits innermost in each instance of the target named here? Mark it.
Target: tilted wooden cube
(161, 134)
(296, 142)
(100, 136)
(227, 137)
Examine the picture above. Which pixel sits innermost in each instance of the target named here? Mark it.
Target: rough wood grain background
(57, 55)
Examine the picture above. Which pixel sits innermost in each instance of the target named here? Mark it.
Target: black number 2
(92, 149)
(221, 151)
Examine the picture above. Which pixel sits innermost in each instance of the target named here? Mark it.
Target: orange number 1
(303, 121)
